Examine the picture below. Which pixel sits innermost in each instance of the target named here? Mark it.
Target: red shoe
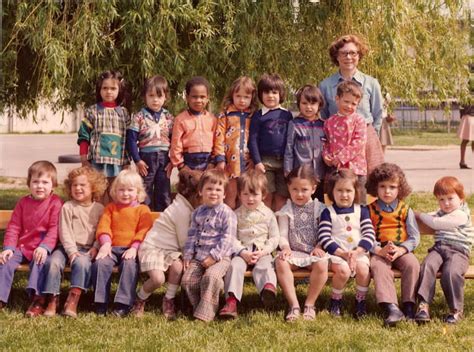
(36, 307)
(229, 311)
(268, 295)
(169, 310)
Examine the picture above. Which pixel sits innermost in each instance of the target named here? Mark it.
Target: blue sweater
(267, 135)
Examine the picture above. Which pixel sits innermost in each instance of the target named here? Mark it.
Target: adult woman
(346, 52)
(466, 133)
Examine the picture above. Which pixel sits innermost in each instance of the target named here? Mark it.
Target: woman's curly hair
(386, 172)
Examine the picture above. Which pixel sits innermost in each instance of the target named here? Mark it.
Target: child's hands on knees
(92, 253)
(256, 255)
(247, 256)
(104, 251)
(142, 168)
(208, 261)
(285, 253)
(130, 253)
(5, 256)
(396, 252)
(260, 168)
(73, 256)
(39, 255)
(318, 252)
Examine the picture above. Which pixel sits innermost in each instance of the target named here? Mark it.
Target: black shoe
(463, 166)
(335, 307)
(101, 309)
(360, 309)
(422, 315)
(394, 315)
(453, 318)
(121, 310)
(409, 310)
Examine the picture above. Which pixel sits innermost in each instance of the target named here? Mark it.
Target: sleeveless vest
(389, 226)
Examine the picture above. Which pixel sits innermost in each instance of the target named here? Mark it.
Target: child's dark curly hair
(188, 184)
(386, 172)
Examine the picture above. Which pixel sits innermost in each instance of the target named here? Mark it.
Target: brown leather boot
(53, 302)
(70, 307)
(36, 307)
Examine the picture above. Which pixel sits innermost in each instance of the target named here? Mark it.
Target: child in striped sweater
(454, 236)
(346, 233)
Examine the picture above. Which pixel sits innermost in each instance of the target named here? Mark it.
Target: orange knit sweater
(124, 224)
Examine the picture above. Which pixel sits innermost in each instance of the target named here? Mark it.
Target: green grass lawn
(255, 329)
(424, 137)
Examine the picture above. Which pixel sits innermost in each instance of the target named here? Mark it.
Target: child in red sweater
(121, 229)
(32, 234)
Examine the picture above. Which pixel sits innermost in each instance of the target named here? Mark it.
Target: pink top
(34, 223)
(346, 140)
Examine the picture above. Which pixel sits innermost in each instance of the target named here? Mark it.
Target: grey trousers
(453, 264)
(262, 272)
(385, 291)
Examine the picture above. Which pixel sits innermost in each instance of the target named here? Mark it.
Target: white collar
(266, 110)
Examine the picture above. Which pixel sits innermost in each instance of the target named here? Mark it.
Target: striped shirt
(453, 229)
(212, 233)
(325, 231)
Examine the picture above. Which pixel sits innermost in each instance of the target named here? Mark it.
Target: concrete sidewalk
(423, 165)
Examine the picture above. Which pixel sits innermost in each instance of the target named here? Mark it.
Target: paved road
(422, 166)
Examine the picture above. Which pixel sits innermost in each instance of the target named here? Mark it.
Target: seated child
(208, 248)
(121, 229)
(257, 238)
(161, 251)
(31, 234)
(397, 235)
(77, 225)
(298, 222)
(346, 233)
(454, 236)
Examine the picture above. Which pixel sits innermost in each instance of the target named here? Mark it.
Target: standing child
(346, 133)
(31, 234)
(77, 225)
(102, 131)
(267, 138)
(346, 233)
(121, 229)
(207, 250)
(230, 145)
(454, 236)
(306, 136)
(257, 238)
(148, 142)
(161, 250)
(193, 130)
(298, 222)
(397, 235)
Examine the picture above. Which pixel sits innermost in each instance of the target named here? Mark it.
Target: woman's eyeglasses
(348, 53)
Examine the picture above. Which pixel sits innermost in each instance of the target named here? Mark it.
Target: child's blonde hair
(97, 180)
(253, 181)
(248, 85)
(128, 178)
(41, 167)
(214, 176)
(447, 185)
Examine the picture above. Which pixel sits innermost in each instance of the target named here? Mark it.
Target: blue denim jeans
(196, 161)
(7, 271)
(157, 185)
(102, 277)
(54, 268)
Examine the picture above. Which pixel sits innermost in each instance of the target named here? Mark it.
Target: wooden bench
(5, 216)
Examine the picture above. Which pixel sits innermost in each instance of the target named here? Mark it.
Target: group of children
(264, 161)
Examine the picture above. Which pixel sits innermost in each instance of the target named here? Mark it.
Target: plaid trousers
(203, 287)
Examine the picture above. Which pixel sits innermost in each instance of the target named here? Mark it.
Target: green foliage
(55, 49)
